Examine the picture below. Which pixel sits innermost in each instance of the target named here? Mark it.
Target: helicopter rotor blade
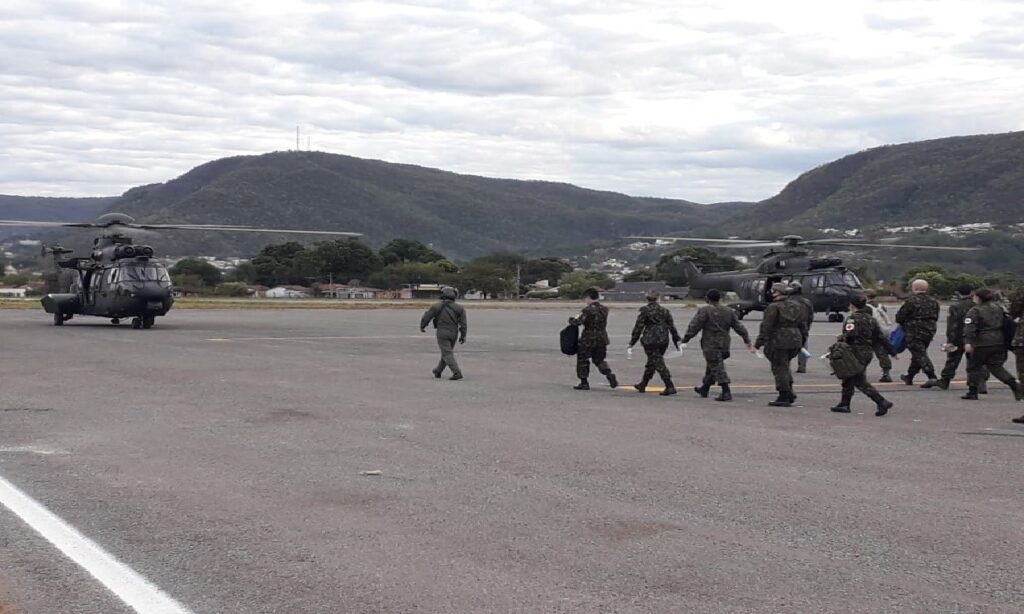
(841, 243)
(223, 228)
(698, 240)
(32, 224)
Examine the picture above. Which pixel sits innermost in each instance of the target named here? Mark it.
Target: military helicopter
(119, 279)
(826, 282)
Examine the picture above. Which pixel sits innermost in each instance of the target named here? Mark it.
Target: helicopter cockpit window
(144, 273)
(851, 280)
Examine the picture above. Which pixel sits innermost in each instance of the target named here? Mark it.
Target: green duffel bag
(843, 361)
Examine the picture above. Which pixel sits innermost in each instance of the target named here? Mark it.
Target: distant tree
(273, 264)
(206, 272)
(572, 285)
(191, 284)
(671, 272)
(344, 259)
(548, 268)
(407, 250)
(639, 275)
(398, 274)
(491, 279)
(245, 272)
(941, 282)
(505, 260)
(232, 288)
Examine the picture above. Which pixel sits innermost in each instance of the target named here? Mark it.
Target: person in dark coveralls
(449, 319)
(881, 315)
(782, 335)
(985, 345)
(862, 333)
(653, 328)
(593, 340)
(796, 290)
(918, 317)
(714, 321)
(1017, 312)
(954, 345)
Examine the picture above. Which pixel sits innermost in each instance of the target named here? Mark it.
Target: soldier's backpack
(843, 361)
(1009, 330)
(570, 340)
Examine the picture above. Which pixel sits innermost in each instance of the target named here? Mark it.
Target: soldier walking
(450, 321)
(714, 321)
(593, 340)
(796, 290)
(918, 317)
(862, 333)
(954, 346)
(881, 315)
(1017, 312)
(653, 328)
(783, 333)
(985, 345)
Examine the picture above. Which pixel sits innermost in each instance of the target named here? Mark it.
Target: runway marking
(33, 449)
(137, 592)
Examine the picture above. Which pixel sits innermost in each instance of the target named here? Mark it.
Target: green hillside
(49, 210)
(460, 215)
(949, 181)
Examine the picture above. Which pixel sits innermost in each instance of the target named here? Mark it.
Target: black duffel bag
(843, 361)
(570, 339)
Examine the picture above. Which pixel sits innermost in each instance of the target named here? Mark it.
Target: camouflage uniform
(714, 322)
(918, 317)
(653, 327)
(593, 341)
(983, 330)
(1017, 313)
(955, 336)
(783, 332)
(801, 359)
(449, 319)
(862, 333)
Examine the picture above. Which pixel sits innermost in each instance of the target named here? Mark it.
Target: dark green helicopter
(825, 281)
(119, 279)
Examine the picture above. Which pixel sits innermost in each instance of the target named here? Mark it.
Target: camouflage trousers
(587, 354)
(860, 382)
(656, 362)
(714, 372)
(985, 360)
(952, 362)
(1018, 354)
(884, 360)
(446, 343)
(780, 361)
(919, 361)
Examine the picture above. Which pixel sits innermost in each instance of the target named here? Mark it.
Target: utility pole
(519, 272)
(296, 137)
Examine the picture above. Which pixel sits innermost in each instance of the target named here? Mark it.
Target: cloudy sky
(702, 100)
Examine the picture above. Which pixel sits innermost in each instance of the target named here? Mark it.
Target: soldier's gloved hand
(462, 339)
(573, 322)
(423, 330)
(751, 348)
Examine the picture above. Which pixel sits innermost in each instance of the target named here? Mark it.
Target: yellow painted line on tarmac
(796, 387)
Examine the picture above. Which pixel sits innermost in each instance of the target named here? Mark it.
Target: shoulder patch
(850, 326)
(967, 320)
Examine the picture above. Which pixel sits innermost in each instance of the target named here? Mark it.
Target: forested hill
(460, 215)
(948, 181)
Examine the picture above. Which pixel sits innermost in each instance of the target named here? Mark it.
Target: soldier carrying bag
(570, 340)
(843, 361)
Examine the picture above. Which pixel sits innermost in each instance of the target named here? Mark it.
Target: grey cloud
(885, 22)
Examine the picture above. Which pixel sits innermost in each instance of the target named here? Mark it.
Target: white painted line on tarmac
(137, 592)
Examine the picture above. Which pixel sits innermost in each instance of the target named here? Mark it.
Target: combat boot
(943, 384)
(886, 378)
(669, 389)
(726, 394)
(883, 408)
(613, 381)
(931, 383)
(583, 385)
(436, 373)
(1018, 390)
(983, 388)
(642, 386)
(785, 399)
(1018, 420)
(456, 377)
(972, 394)
(840, 409)
(702, 390)
(844, 403)
(907, 379)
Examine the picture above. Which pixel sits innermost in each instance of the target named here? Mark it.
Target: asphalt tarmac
(221, 455)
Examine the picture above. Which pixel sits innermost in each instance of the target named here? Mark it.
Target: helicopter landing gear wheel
(136, 323)
(115, 321)
(147, 321)
(835, 317)
(58, 318)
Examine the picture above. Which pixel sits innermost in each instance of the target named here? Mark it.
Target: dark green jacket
(919, 316)
(983, 325)
(715, 321)
(784, 326)
(1017, 312)
(594, 319)
(862, 333)
(955, 321)
(654, 325)
(448, 318)
(807, 305)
